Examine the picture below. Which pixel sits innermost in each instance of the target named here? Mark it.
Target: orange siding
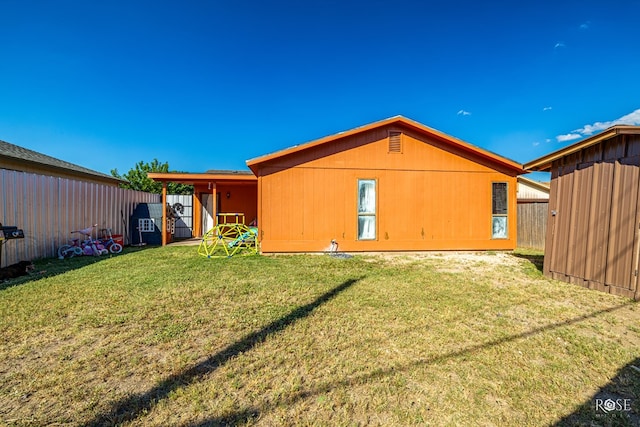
(242, 199)
(429, 197)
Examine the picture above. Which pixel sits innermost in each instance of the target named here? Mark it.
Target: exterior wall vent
(395, 141)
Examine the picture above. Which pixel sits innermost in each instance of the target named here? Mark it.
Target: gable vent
(395, 141)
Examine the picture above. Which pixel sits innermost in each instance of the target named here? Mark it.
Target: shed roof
(544, 163)
(21, 154)
(399, 120)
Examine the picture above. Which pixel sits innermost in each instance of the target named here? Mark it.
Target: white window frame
(500, 220)
(146, 225)
(366, 213)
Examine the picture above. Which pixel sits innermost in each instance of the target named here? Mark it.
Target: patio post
(165, 219)
(214, 203)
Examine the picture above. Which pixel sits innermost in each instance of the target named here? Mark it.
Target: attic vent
(395, 141)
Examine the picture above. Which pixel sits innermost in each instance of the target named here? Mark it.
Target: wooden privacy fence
(48, 208)
(532, 223)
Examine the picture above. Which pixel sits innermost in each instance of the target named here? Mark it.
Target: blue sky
(210, 84)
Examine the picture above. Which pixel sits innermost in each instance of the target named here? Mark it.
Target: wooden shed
(593, 229)
(393, 185)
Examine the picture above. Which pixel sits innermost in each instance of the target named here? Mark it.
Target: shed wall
(593, 217)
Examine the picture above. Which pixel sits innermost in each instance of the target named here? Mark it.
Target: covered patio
(215, 192)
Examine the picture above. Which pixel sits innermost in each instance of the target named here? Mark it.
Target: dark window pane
(499, 198)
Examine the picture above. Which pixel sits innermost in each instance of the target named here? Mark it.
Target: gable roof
(544, 163)
(396, 120)
(542, 186)
(23, 155)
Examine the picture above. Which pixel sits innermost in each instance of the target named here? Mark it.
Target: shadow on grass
(617, 403)
(536, 259)
(49, 267)
(20, 280)
(247, 414)
(129, 408)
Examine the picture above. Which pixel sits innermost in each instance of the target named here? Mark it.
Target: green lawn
(162, 336)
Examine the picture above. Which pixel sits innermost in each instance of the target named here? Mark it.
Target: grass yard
(162, 336)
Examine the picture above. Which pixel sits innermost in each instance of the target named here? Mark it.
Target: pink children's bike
(86, 246)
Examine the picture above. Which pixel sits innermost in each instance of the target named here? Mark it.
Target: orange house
(393, 185)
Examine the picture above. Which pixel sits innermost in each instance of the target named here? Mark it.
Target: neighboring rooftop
(544, 186)
(544, 163)
(15, 157)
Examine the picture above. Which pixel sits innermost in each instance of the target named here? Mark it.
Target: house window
(395, 141)
(499, 203)
(366, 209)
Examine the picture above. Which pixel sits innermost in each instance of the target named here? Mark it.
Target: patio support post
(214, 204)
(197, 213)
(165, 219)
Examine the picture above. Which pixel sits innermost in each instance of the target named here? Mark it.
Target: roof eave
(183, 177)
(66, 171)
(510, 164)
(316, 142)
(544, 163)
(470, 148)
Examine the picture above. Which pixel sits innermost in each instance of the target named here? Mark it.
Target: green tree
(137, 179)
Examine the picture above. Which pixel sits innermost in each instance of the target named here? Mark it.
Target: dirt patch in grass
(451, 262)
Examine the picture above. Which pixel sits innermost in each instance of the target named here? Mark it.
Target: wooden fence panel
(532, 224)
(48, 208)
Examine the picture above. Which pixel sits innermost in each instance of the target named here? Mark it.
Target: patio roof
(221, 176)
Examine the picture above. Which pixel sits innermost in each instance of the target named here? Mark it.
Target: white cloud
(568, 137)
(464, 113)
(585, 25)
(632, 118)
(535, 144)
(559, 45)
(547, 108)
(547, 140)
